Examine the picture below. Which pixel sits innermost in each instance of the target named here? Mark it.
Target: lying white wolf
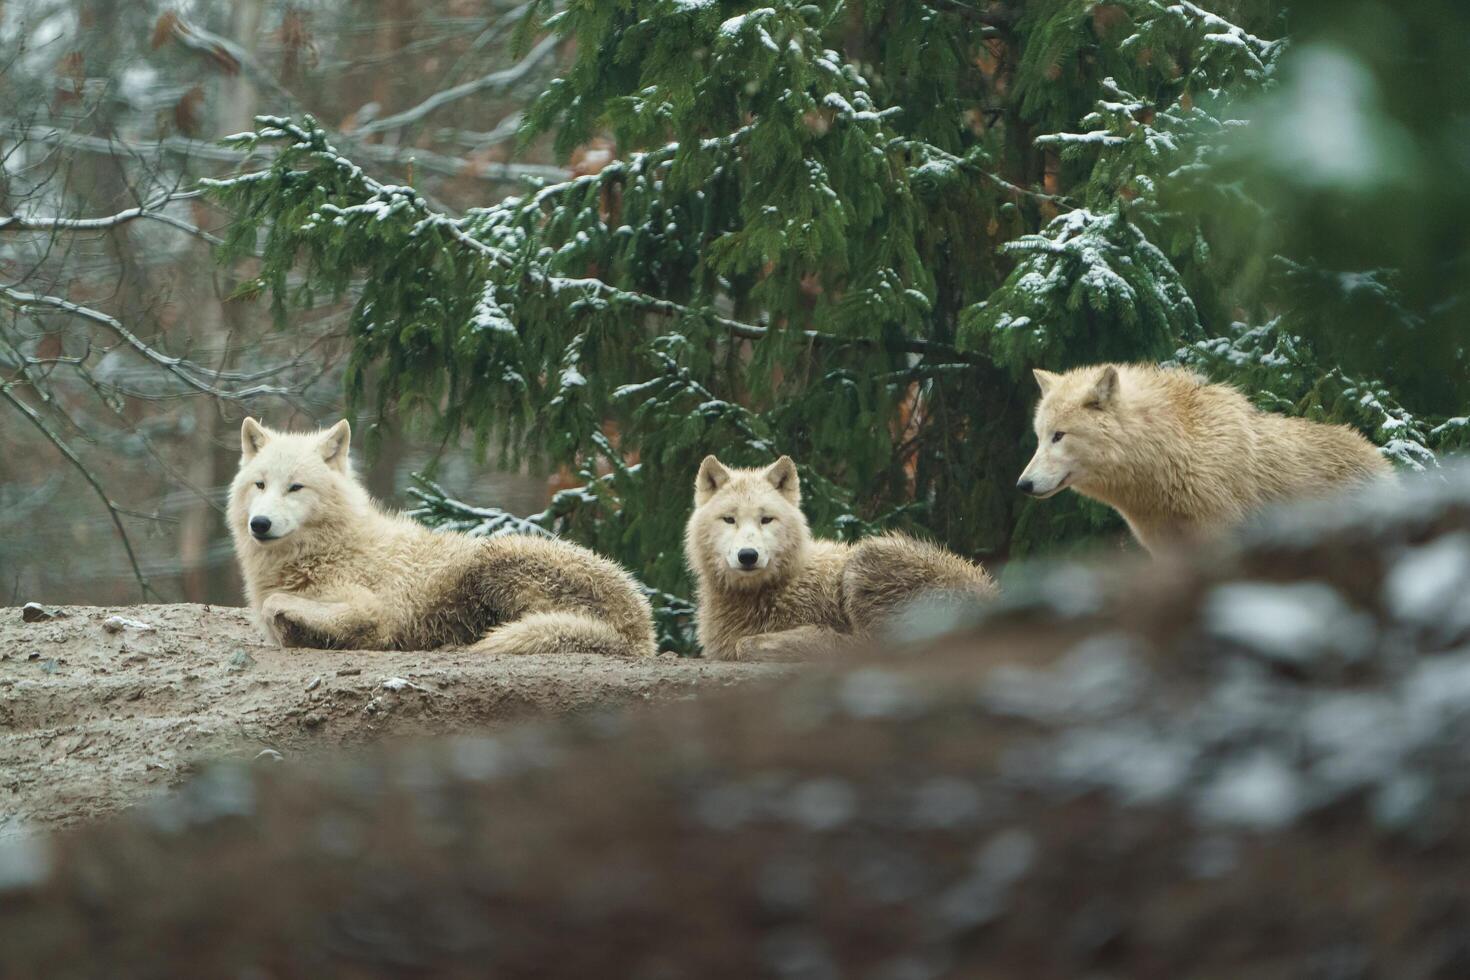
(768, 590)
(324, 566)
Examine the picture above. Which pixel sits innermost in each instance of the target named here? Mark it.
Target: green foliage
(1088, 288)
(1358, 156)
(846, 232)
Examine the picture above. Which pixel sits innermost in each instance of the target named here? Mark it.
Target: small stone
(48, 665)
(241, 660)
(268, 755)
(315, 683)
(349, 671)
(34, 612)
(313, 720)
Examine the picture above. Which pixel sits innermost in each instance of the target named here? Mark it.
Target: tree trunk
(208, 465)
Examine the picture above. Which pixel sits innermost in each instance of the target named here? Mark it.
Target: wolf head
(747, 529)
(289, 483)
(1077, 430)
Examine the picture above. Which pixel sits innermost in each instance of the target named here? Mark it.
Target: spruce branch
(968, 165)
(379, 199)
(997, 18)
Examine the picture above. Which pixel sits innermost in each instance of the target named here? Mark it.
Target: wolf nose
(1025, 485)
(747, 557)
(260, 525)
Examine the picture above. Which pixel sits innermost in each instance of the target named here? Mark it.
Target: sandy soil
(94, 718)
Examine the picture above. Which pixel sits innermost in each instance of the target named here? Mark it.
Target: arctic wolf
(768, 590)
(324, 566)
(1178, 456)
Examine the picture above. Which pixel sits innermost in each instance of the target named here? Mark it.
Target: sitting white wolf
(768, 590)
(324, 566)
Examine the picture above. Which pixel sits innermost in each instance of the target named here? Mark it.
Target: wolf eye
(260, 484)
(767, 520)
(728, 520)
(1057, 436)
(293, 488)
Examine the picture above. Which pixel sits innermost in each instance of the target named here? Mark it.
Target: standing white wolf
(1178, 456)
(324, 566)
(768, 590)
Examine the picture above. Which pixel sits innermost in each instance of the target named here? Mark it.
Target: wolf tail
(563, 632)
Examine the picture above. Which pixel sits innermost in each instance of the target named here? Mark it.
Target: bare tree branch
(152, 210)
(504, 130)
(496, 81)
(189, 373)
(427, 160)
(76, 461)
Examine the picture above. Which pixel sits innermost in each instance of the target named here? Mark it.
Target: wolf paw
(275, 615)
(763, 646)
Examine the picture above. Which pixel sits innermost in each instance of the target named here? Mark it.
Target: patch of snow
(24, 863)
(1292, 622)
(1259, 791)
(116, 624)
(873, 692)
(1428, 585)
(1098, 678)
(821, 804)
(736, 24)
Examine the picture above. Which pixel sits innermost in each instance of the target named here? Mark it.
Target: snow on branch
(380, 201)
(1226, 32)
(153, 210)
(1222, 48)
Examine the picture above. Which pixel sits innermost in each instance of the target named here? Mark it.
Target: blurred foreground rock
(1252, 763)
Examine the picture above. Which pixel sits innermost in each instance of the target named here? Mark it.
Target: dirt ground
(97, 716)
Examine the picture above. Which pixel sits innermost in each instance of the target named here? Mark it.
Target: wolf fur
(795, 595)
(324, 566)
(1178, 456)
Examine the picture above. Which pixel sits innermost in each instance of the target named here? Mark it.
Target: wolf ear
(253, 436)
(334, 445)
(1104, 389)
(1045, 379)
(782, 474)
(712, 476)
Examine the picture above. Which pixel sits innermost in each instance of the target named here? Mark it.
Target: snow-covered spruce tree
(843, 231)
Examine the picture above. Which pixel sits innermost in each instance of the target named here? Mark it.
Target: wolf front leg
(340, 624)
(786, 646)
